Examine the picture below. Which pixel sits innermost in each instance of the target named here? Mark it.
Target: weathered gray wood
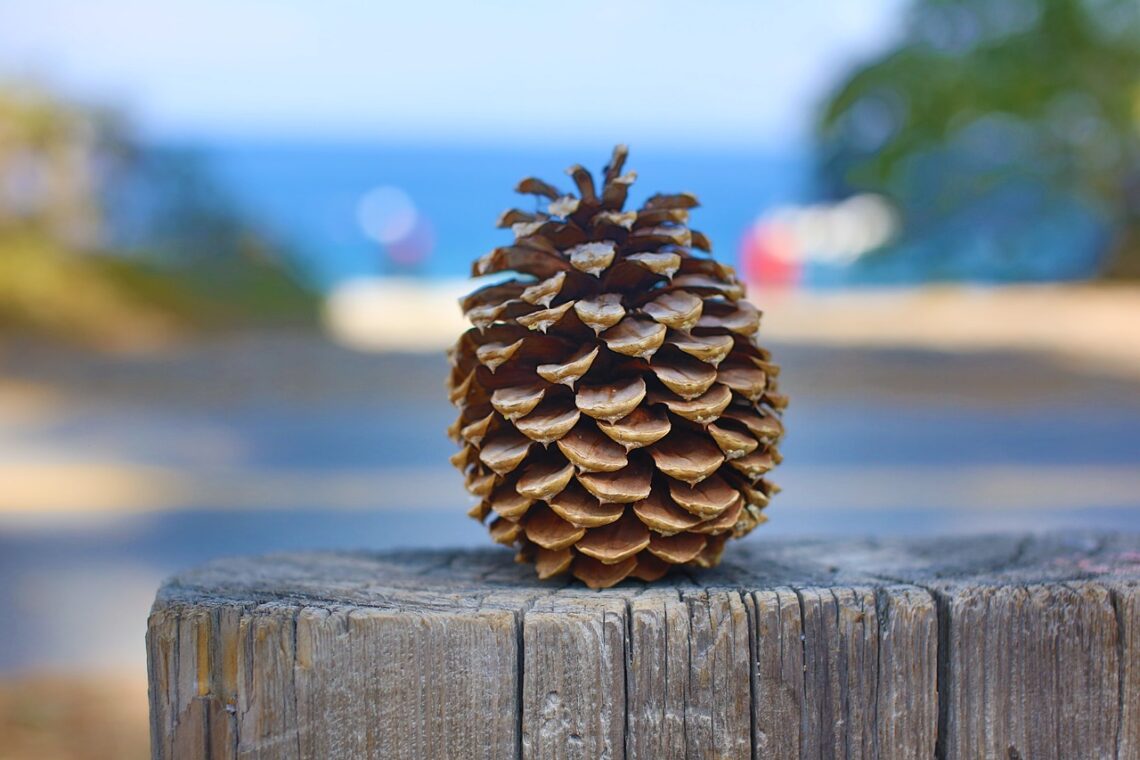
(906, 717)
(658, 677)
(988, 647)
(574, 685)
(1126, 603)
(779, 706)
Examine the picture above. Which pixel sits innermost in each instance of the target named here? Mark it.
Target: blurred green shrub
(102, 239)
(992, 119)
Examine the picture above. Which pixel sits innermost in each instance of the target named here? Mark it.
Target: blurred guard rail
(1002, 647)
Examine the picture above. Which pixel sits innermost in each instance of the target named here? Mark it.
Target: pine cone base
(617, 417)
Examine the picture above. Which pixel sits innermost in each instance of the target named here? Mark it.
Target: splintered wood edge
(751, 643)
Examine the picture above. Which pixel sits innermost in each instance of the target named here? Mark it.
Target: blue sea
(308, 195)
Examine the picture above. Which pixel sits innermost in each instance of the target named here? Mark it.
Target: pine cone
(616, 414)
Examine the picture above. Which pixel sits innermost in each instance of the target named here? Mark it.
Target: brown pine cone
(617, 416)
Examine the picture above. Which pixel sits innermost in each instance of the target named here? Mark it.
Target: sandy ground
(1091, 326)
(88, 717)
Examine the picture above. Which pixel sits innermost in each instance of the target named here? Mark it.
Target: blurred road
(116, 471)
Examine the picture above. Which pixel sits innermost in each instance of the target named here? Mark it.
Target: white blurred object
(837, 233)
(397, 313)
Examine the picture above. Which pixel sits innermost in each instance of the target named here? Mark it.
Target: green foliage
(1044, 93)
(101, 299)
(46, 291)
(190, 262)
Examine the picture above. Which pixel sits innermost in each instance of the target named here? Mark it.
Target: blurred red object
(770, 255)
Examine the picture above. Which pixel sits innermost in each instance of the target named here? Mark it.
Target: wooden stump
(985, 647)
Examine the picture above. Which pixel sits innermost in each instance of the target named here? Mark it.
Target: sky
(703, 72)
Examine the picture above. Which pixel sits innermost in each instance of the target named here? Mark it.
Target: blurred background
(232, 235)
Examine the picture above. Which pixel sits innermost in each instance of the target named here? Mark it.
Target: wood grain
(1002, 647)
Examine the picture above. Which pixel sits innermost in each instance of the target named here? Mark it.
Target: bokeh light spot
(386, 214)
